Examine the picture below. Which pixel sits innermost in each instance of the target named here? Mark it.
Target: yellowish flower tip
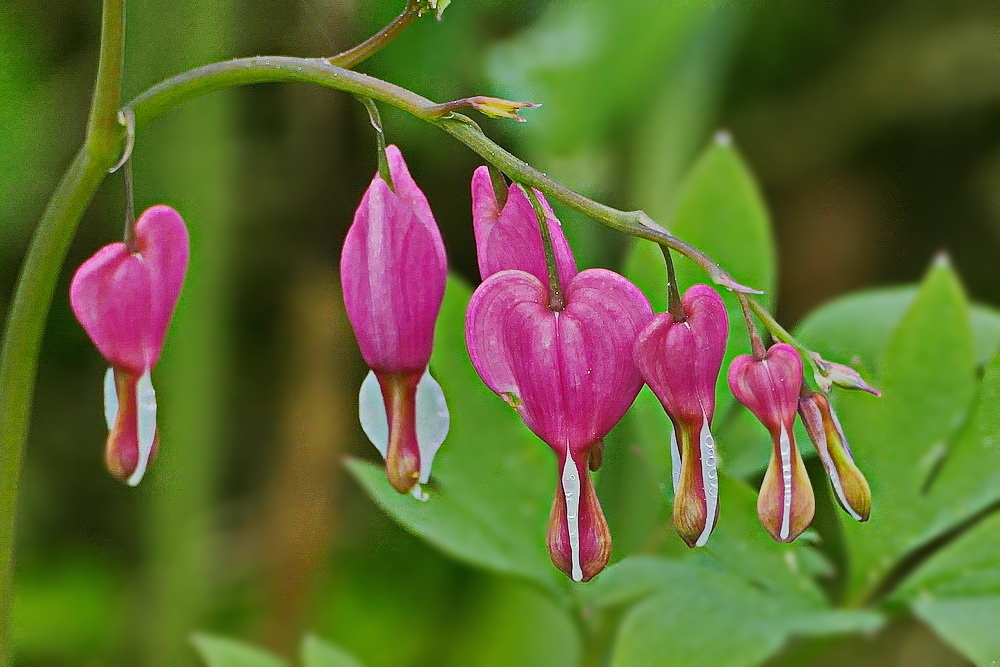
(496, 107)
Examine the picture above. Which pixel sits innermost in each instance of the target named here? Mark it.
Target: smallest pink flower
(770, 388)
(124, 298)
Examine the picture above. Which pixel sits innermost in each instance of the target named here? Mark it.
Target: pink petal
(393, 271)
(510, 238)
(164, 246)
(111, 296)
(569, 373)
(769, 387)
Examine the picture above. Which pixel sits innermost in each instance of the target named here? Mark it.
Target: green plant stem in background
(379, 40)
(26, 321)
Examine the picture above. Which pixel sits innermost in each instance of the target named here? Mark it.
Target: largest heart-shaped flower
(569, 374)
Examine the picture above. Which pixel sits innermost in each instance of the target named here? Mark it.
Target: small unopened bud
(495, 107)
(849, 485)
(830, 373)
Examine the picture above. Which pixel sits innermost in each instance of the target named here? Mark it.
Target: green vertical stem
(557, 300)
(188, 162)
(756, 343)
(376, 120)
(28, 313)
(675, 306)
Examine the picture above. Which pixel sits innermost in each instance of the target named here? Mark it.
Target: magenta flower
(849, 485)
(569, 374)
(124, 298)
(509, 238)
(770, 387)
(680, 362)
(393, 270)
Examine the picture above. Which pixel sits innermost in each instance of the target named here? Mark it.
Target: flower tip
(579, 540)
(830, 373)
(495, 107)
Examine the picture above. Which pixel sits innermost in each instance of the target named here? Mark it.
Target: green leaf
(318, 653)
(493, 481)
(857, 327)
(712, 618)
(927, 375)
(957, 592)
(720, 210)
(219, 652)
(969, 480)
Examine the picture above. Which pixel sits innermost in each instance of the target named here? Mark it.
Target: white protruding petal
(571, 492)
(433, 422)
(785, 452)
(419, 493)
(145, 403)
(710, 480)
(371, 412)
(110, 398)
(675, 459)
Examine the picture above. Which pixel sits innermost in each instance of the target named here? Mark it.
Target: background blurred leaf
(712, 618)
(720, 210)
(927, 376)
(957, 592)
(219, 652)
(858, 326)
(318, 653)
(494, 480)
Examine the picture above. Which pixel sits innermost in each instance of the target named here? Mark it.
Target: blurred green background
(873, 129)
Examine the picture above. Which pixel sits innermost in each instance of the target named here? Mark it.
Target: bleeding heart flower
(124, 298)
(569, 374)
(849, 485)
(393, 271)
(509, 238)
(770, 387)
(680, 361)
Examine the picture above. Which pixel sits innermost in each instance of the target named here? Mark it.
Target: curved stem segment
(220, 76)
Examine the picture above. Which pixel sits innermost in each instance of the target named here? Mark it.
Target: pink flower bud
(849, 485)
(509, 238)
(680, 362)
(393, 271)
(770, 387)
(570, 376)
(124, 298)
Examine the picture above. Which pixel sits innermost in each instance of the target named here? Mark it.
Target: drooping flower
(124, 298)
(570, 376)
(680, 361)
(849, 485)
(509, 238)
(770, 387)
(393, 271)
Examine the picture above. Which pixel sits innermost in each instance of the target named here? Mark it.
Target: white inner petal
(710, 480)
(675, 459)
(433, 421)
(371, 412)
(571, 492)
(785, 452)
(145, 403)
(110, 399)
